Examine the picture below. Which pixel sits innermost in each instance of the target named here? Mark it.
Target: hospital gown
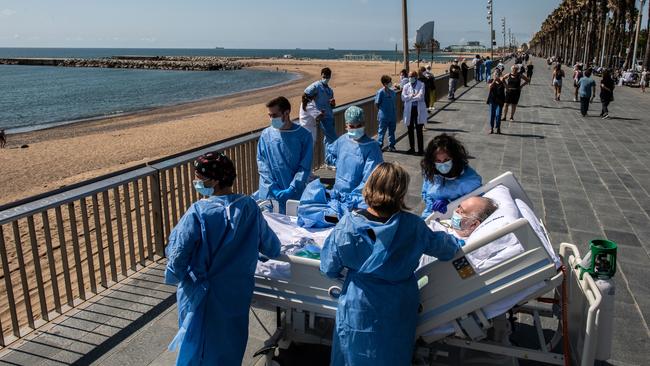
(377, 310)
(211, 255)
(448, 188)
(354, 161)
(284, 160)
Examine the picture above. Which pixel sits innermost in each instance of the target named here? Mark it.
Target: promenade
(587, 177)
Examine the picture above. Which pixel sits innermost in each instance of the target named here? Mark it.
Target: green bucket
(603, 259)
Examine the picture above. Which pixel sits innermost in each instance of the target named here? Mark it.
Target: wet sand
(68, 154)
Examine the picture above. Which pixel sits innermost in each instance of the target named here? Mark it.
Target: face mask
(456, 221)
(202, 189)
(356, 133)
(277, 123)
(412, 80)
(325, 81)
(445, 167)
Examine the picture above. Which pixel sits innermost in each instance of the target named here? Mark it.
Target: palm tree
(418, 48)
(646, 58)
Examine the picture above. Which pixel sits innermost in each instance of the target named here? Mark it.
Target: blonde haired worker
(380, 247)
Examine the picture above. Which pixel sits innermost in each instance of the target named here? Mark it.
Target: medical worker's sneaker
(606, 116)
(392, 149)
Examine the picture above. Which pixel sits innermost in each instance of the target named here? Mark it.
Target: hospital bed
(460, 306)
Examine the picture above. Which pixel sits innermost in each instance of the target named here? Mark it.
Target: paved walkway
(587, 178)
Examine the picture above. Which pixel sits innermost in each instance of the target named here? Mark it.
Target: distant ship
(218, 48)
(331, 49)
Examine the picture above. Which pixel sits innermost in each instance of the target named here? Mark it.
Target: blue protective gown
(354, 161)
(284, 159)
(377, 311)
(211, 255)
(448, 188)
(323, 93)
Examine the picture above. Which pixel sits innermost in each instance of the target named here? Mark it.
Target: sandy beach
(64, 155)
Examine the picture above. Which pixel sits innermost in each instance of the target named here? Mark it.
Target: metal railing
(64, 247)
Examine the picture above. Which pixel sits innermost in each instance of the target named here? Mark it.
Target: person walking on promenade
(477, 67)
(529, 72)
(464, 69)
(557, 76)
(587, 91)
(488, 69)
(577, 75)
(385, 100)
(513, 86)
(496, 99)
(415, 112)
(454, 75)
(324, 97)
(607, 86)
(431, 88)
(3, 139)
(482, 68)
(422, 77)
(644, 80)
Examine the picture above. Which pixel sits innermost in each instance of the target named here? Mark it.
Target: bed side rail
(584, 308)
(453, 289)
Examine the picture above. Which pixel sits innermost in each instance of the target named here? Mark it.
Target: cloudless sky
(342, 24)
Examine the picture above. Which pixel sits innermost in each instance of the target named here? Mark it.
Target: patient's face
(469, 210)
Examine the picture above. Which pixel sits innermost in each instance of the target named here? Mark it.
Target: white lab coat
(410, 94)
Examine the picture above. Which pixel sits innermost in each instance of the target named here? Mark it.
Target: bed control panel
(463, 267)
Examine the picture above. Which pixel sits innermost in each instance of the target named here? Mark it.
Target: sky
(341, 24)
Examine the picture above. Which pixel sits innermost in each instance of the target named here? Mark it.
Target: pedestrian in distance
(496, 99)
(607, 86)
(644, 79)
(464, 69)
(3, 139)
(586, 91)
(558, 75)
(386, 102)
(513, 84)
(454, 75)
(488, 69)
(577, 75)
(529, 72)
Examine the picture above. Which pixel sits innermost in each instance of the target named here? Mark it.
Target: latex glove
(275, 193)
(285, 194)
(440, 206)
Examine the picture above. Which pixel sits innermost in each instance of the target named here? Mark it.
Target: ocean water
(35, 97)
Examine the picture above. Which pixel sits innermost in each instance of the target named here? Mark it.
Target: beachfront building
(471, 46)
(362, 57)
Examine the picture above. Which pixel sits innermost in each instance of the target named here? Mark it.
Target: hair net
(354, 114)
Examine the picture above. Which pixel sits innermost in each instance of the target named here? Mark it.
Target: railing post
(156, 213)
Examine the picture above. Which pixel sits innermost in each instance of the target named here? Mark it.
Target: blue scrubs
(448, 189)
(323, 93)
(284, 160)
(488, 70)
(354, 161)
(386, 115)
(211, 255)
(377, 311)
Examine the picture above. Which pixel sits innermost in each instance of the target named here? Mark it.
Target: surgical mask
(325, 80)
(202, 189)
(356, 133)
(445, 167)
(412, 80)
(277, 122)
(456, 221)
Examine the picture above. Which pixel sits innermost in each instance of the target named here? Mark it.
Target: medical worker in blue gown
(324, 97)
(446, 174)
(284, 156)
(380, 247)
(211, 256)
(355, 156)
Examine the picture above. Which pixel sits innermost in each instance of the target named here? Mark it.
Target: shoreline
(17, 131)
(59, 156)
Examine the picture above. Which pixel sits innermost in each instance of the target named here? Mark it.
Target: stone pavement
(587, 177)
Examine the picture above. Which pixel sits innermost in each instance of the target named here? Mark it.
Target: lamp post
(489, 18)
(503, 30)
(405, 35)
(636, 37)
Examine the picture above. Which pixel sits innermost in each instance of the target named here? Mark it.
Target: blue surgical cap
(354, 115)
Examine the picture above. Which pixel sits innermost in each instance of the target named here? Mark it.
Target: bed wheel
(334, 292)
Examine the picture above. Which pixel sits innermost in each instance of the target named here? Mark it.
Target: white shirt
(308, 118)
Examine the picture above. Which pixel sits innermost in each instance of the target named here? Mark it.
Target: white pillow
(504, 247)
(529, 215)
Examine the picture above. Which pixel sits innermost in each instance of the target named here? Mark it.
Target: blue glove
(275, 192)
(461, 242)
(285, 194)
(440, 206)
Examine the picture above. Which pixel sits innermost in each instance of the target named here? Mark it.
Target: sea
(37, 97)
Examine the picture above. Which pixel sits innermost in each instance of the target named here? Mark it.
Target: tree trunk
(646, 58)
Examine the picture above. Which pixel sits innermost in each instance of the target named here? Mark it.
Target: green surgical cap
(354, 114)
